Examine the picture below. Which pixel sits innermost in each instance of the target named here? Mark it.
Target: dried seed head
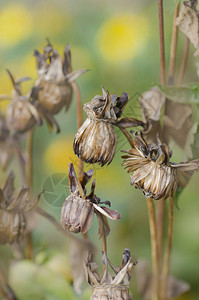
(154, 174)
(13, 211)
(21, 114)
(96, 140)
(78, 209)
(107, 286)
(54, 90)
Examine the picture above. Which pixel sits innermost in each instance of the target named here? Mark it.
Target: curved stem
(128, 136)
(154, 248)
(54, 222)
(167, 258)
(184, 62)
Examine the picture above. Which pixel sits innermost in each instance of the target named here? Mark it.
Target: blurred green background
(118, 42)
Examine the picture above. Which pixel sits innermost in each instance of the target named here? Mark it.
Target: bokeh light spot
(121, 37)
(15, 24)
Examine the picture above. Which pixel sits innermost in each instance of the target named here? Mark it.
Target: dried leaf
(188, 22)
(129, 122)
(104, 228)
(109, 213)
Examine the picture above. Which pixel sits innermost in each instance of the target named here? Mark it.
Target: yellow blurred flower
(59, 153)
(121, 37)
(15, 24)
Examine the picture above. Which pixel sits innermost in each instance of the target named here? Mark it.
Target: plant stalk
(29, 173)
(54, 222)
(128, 136)
(161, 34)
(174, 39)
(154, 248)
(184, 62)
(167, 258)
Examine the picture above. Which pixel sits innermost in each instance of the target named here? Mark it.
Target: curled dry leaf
(96, 140)
(13, 211)
(79, 208)
(107, 286)
(188, 22)
(154, 174)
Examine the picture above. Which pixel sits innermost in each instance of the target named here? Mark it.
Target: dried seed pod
(13, 211)
(54, 90)
(78, 209)
(154, 174)
(21, 114)
(96, 140)
(107, 286)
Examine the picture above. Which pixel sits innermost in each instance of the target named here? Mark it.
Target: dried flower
(188, 22)
(54, 90)
(96, 140)
(78, 209)
(21, 114)
(13, 210)
(154, 174)
(108, 287)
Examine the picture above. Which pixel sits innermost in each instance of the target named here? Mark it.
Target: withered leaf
(104, 228)
(188, 22)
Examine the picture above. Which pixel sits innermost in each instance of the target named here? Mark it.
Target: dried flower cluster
(96, 140)
(78, 209)
(154, 174)
(107, 286)
(13, 210)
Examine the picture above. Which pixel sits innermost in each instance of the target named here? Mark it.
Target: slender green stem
(154, 248)
(167, 258)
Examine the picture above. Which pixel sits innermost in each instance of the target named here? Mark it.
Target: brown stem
(128, 136)
(79, 119)
(184, 62)
(154, 248)
(167, 258)
(5, 290)
(160, 219)
(173, 49)
(29, 172)
(51, 219)
(21, 161)
(161, 33)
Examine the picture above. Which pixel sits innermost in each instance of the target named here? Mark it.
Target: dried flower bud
(21, 114)
(54, 90)
(96, 140)
(78, 209)
(107, 286)
(154, 174)
(13, 210)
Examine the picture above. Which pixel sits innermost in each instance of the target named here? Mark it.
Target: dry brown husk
(78, 209)
(21, 114)
(108, 287)
(53, 86)
(13, 211)
(96, 140)
(154, 174)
